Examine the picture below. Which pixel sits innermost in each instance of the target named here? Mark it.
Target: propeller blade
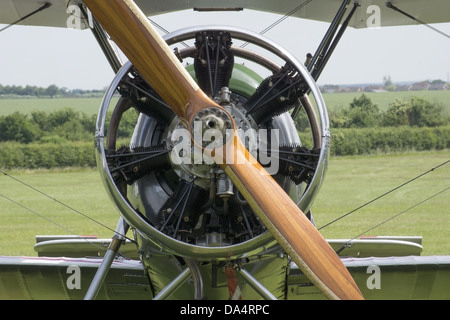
(133, 33)
(146, 49)
(287, 223)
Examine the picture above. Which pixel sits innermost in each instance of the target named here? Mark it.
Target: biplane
(215, 185)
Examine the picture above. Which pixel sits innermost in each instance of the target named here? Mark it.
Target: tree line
(65, 137)
(50, 91)
(412, 124)
(56, 127)
(69, 125)
(415, 112)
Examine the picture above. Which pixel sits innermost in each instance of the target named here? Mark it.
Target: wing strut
(323, 61)
(104, 42)
(328, 38)
(316, 63)
(100, 275)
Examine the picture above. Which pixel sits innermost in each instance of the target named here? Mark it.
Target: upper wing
(430, 11)
(56, 15)
(370, 13)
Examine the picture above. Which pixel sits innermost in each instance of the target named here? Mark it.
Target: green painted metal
(391, 278)
(36, 278)
(244, 80)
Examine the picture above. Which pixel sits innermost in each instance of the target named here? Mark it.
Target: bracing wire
(51, 221)
(284, 17)
(287, 15)
(164, 30)
(391, 218)
(59, 202)
(391, 6)
(384, 194)
(43, 7)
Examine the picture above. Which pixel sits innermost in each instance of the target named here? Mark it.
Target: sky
(42, 56)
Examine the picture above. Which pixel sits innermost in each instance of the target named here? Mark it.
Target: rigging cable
(63, 204)
(51, 221)
(391, 6)
(164, 30)
(277, 22)
(389, 219)
(385, 194)
(43, 7)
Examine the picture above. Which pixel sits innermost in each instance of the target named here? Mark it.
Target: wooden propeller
(144, 47)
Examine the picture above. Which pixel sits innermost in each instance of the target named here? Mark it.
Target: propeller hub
(214, 125)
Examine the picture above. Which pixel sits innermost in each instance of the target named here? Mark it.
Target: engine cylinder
(190, 208)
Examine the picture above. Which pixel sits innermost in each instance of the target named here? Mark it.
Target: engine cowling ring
(131, 203)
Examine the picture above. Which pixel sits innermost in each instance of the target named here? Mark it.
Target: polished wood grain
(287, 223)
(132, 32)
(144, 47)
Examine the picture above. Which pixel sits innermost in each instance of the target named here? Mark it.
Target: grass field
(333, 101)
(26, 106)
(350, 182)
(354, 181)
(80, 189)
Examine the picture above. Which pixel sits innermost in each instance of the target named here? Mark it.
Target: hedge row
(47, 155)
(344, 142)
(385, 140)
